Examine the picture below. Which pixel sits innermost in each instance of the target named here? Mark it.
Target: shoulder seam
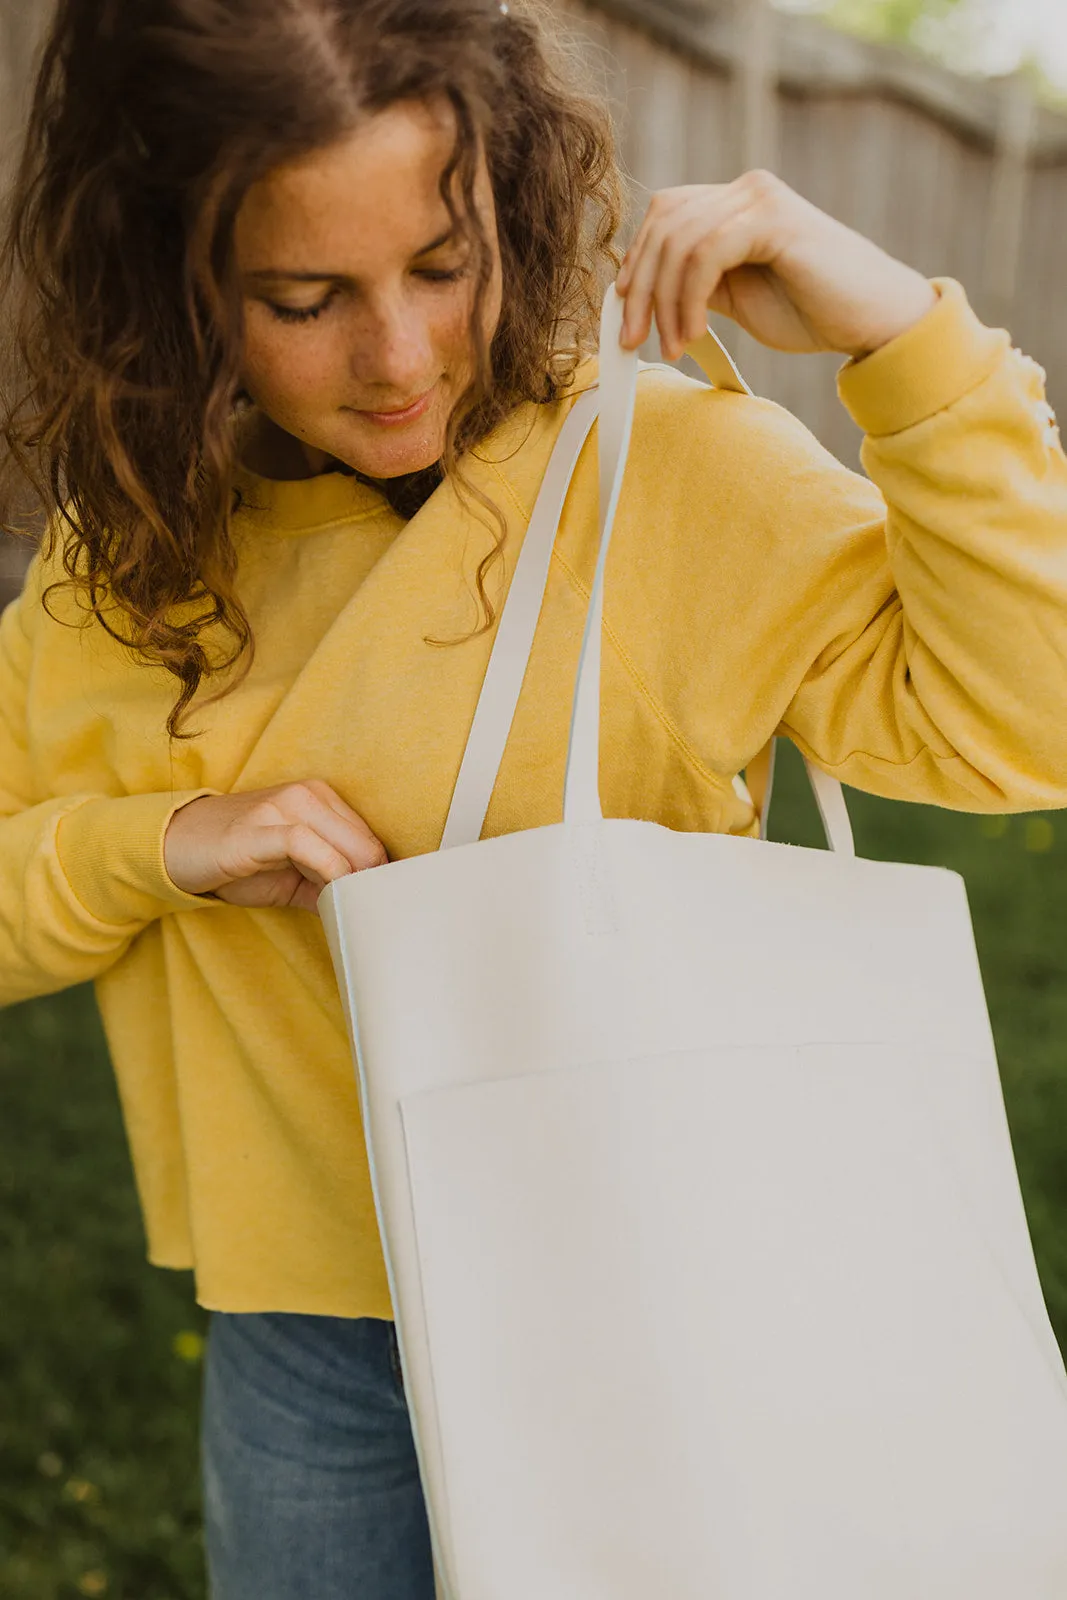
(502, 478)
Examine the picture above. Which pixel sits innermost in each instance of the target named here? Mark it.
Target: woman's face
(358, 296)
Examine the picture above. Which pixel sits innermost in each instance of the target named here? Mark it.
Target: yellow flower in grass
(1040, 835)
(82, 1491)
(93, 1583)
(188, 1346)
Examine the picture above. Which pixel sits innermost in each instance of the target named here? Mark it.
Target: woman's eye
(443, 274)
(298, 314)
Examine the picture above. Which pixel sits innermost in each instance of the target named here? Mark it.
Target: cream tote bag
(705, 1241)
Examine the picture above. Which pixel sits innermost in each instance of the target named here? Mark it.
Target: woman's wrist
(916, 301)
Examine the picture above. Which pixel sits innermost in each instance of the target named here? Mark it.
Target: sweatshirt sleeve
(936, 640)
(80, 874)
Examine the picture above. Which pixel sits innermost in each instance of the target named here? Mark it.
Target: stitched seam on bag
(675, 733)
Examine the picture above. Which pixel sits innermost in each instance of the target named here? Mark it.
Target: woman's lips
(397, 418)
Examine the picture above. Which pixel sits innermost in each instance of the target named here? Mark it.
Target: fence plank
(757, 79)
(1016, 131)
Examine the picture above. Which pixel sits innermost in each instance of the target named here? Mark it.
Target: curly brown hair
(149, 123)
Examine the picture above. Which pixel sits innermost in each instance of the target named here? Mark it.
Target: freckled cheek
(302, 371)
(451, 335)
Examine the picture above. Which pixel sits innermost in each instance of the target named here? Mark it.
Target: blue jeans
(311, 1485)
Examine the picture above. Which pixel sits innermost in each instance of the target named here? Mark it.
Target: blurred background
(938, 128)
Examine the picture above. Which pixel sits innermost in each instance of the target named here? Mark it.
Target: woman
(306, 289)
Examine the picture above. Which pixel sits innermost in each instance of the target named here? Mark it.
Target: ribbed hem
(926, 369)
(111, 853)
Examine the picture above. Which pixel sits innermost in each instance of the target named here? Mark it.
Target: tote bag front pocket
(774, 1295)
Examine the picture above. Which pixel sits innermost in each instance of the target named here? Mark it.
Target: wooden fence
(20, 27)
(957, 177)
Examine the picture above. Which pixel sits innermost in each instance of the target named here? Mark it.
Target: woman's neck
(267, 450)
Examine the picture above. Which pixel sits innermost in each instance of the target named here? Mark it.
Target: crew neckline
(303, 505)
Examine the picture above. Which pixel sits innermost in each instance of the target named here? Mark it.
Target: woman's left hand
(757, 251)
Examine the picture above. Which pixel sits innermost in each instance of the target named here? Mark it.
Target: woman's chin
(395, 457)
(401, 466)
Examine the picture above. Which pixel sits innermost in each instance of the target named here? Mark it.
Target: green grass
(98, 1470)
(98, 1476)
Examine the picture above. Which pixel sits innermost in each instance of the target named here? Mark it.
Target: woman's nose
(395, 352)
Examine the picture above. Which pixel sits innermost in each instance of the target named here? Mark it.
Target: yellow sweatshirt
(910, 635)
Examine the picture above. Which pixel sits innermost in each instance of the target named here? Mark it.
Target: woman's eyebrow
(436, 244)
(277, 273)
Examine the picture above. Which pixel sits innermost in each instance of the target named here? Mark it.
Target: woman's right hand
(270, 847)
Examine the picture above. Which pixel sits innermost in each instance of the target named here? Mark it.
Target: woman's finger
(665, 295)
(274, 846)
(642, 263)
(673, 318)
(334, 822)
(281, 887)
(664, 203)
(678, 222)
(218, 840)
(638, 309)
(286, 888)
(329, 795)
(629, 260)
(375, 850)
(707, 260)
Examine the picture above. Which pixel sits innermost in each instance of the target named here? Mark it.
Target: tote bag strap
(515, 633)
(829, 797)
(495, 712)
(618, 384)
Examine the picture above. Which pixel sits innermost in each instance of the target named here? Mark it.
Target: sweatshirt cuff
(111, 853)
(926, 369)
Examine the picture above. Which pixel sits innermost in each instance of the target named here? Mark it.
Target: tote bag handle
(614, 401)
